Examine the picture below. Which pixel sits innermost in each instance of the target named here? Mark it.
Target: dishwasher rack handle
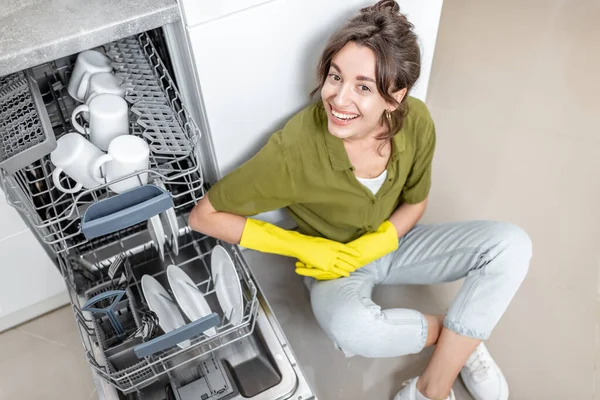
(178, 335)
(124, 210)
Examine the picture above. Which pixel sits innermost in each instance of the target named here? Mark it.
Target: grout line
(42, 338)
(12, 235)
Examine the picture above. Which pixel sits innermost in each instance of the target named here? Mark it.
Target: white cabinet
(30, 284)
(10, 221)
(196, 12)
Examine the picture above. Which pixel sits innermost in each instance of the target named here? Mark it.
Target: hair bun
(387, 6)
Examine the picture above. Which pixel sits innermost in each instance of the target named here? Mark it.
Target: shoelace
(478, 365)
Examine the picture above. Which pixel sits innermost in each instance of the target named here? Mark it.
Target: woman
(354, 170)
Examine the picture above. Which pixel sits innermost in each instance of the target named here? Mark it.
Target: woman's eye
(335, 77)
(364, 88)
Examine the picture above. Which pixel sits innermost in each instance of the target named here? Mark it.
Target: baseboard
(33, 311)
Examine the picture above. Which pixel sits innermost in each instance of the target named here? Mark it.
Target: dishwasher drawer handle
(124, 210)
(175, 336)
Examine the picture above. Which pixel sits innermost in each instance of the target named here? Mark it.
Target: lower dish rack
(157, 115)
(111, 355)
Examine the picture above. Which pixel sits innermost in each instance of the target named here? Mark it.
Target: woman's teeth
(343, 116)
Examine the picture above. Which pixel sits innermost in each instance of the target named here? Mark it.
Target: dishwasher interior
(126, 347)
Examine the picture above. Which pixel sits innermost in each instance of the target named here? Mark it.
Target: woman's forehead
(355, 60)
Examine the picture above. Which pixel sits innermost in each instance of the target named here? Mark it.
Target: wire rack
(25, 134)
(194, 258)
(157, 115)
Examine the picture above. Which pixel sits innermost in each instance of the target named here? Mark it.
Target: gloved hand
(318, 274)
(372, 246)
(323, 254)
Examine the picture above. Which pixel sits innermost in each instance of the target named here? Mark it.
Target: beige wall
(515, 93)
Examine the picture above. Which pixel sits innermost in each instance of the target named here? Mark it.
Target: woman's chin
(340, 132)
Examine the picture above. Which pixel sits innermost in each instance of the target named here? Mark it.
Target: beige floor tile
(36, 369)
(58, 326)
(545, 343)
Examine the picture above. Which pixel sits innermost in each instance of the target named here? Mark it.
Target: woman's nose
(343, 96)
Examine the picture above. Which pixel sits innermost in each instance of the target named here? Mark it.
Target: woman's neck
(368, 138)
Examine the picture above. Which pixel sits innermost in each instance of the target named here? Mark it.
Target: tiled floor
(44, 360)
(514, 93)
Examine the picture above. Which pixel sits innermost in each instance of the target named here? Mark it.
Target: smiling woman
(354, 170)
(386, 64)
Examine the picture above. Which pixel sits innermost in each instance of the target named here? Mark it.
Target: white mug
(74, 155)
(109, 118)
(103, 83)
(126, 155)
(88, 63)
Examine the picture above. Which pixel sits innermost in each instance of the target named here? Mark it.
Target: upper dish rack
(156, 114)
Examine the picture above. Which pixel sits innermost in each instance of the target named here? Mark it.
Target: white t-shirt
(374, 184)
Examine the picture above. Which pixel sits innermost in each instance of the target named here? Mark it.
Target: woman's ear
(398, 96)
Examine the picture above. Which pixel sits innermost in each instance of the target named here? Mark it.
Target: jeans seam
(464, 331)
(469, 295)
(437, 258)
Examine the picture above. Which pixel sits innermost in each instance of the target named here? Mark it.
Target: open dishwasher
(127, 350)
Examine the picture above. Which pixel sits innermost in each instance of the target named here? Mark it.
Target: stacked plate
(191, 300)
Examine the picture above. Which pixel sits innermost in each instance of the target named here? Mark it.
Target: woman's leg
(449, 357)
(358, 326)
(492, 256)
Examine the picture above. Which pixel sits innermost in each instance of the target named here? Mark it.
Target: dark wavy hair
(382, 28)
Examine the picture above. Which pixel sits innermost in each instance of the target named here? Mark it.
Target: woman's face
(353, 104)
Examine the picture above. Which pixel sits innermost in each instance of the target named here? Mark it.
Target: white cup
(126, 155)
(75, 155)
(103, 83)
(109, 118)
(88, 63)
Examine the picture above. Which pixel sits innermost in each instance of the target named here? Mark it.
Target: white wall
(30, 284)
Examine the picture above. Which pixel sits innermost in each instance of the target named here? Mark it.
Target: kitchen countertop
(37, 31)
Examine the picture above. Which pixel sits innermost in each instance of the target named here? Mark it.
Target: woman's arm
(221, 225)
(407, 215)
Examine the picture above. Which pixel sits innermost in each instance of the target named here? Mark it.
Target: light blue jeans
(492, 256)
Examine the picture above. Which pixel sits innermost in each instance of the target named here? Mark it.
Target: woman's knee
(360, 327)
(515, 246)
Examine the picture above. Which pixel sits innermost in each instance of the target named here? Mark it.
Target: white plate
(169, 220)
(188, 296)
(160, 302)
(157, 234)
(228, 288)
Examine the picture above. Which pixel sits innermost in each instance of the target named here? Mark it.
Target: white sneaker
(482, 376)
(410, 392)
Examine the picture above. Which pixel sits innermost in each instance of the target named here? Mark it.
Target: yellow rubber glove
(372, 246)
(320, 253)
(318, 274)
